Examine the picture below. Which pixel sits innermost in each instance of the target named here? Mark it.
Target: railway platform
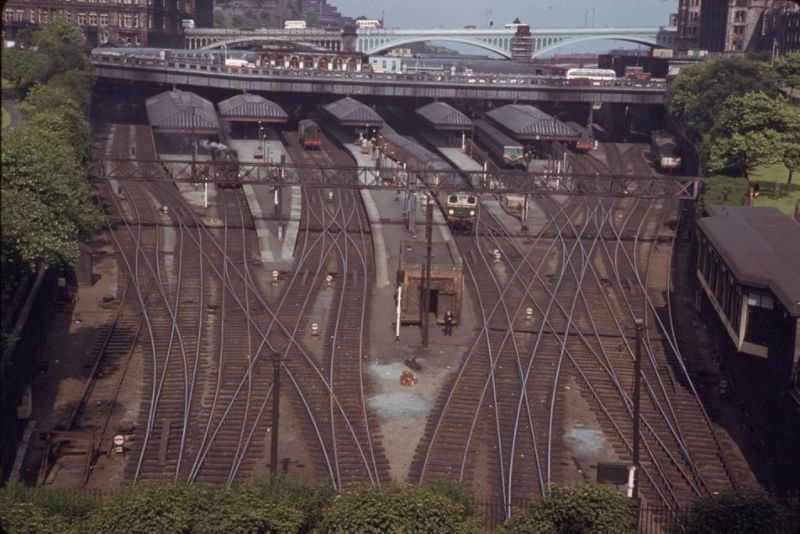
(277, 235)
(403, 409)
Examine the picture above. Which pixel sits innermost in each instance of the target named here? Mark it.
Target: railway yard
(536, 386)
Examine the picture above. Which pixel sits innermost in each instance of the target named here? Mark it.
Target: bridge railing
(506, 80)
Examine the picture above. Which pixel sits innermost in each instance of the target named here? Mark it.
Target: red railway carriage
(309, 134)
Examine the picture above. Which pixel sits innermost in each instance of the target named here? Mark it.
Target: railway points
(277, 223)
(535, 384)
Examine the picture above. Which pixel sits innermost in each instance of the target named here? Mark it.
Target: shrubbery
(259, 506)
(578, 509)
(284, 506)
(402, 509)
(745, 512)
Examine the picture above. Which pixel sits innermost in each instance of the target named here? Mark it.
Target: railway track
(571, 313)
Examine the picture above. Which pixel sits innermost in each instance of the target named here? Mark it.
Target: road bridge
(499, 88)
(518, 41)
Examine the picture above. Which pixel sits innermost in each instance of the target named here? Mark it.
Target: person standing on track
(448, 323)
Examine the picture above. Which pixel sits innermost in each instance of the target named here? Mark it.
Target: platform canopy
(528, 123)
(350, 112)
(761, 246)
(251, 108)
(443, 116)
(182, 112)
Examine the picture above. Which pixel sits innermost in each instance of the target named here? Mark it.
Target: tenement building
(118, 22)
(735, 26)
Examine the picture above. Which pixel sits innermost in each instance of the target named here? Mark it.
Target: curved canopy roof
(350, 112)
(182, 112)
(762, 248)
(251, 108)
(529, 123)
(443, 116)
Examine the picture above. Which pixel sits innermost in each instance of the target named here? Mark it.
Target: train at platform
(309, 134)
(225, 164)
(585, 140)
(665, 151)
(460, 208)
(503, 148)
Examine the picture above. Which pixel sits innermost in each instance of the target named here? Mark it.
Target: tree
(700, 91)
(78, 83)
(402, 509)
(24, 67)
(791, 158)
(741, 513)
(752, 129)
(578, 509)
(55, 108)
(788, 69)
(46, 202)
(220, 20)
(62, 43)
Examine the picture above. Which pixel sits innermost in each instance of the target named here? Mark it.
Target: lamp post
(426, 285)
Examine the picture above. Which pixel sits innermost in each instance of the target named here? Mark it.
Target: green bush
(68, 505)
(742, 512)
(456, 492)
(18, 517)
(727, 190)
(578, 509)
(402, 509)
(152, 509)
(310, 499)
(238, 513)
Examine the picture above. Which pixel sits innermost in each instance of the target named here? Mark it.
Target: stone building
(732, 26)
(118, 22)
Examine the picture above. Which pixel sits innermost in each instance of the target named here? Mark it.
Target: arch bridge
(519, 42)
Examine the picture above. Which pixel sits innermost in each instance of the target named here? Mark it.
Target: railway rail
(571, 313)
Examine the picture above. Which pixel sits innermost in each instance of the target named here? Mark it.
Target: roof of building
(443, 116)
(413, 253)
(528, 123)
(250, 107)
(182, 111)
(761, 246)
(350, 112)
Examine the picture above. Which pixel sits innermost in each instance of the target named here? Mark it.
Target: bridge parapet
(112, 65)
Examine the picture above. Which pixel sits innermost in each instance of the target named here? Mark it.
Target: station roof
(182, 112)
(529, 123)
(350, 112)
(251, 108)
(414, 254)
(443, 116)
(761, 246)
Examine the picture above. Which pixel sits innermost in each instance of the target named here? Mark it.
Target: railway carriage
(665, 151)
(309, 134)
(585, 140)
(462, 210)
(226, 165)
(502, 147)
